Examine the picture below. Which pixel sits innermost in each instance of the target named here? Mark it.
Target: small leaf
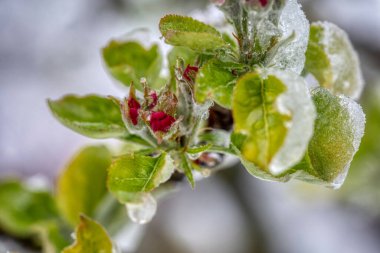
(332, 60)
(339, 129)
(129, 61)
(187, 32)
(82, 184)
(92, 116)
(90, 237)
(198, 149)
(135, 173)
(216, 81)
(270, 111)
(187, 169)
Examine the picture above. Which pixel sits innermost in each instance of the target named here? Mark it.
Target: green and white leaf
(191, 33)
(92, 116)
(90, 237)
(129, 61)
(333, 61)
(82, 184)
(136, 173)
(339, 128)
(274, 119)
(216, 81)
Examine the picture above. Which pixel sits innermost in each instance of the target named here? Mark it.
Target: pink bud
(190, 72)
(161, 122)
(134, 107)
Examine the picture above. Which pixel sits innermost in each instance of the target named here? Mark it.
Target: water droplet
(143, 211)
(194, 156)
(206, 172)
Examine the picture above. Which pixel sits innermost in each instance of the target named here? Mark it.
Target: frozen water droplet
(206, 173)
(195, 156)
(143, 211)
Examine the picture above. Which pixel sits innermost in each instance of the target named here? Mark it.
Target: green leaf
(90, 237)
(53, 236)
(198, 149)
(274, 118)
(129, 61)
(25, 213)
(135, 173)
(82, 184)
(92, 116)
(339, 128)
(187, 32)
(215, 137)
(332, 60)
(216, 80)
(21, 209)
(187, 169)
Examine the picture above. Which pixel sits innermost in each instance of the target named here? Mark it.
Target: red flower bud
(190, 72)
(257, 3)
(154, 97)
(134, 107)
(161, 122)
(263, 2)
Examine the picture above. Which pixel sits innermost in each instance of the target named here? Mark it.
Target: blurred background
(49, 48)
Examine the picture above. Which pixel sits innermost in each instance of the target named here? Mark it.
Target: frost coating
(142, 212)
(291, 55)
(339, 128)
(296, 101)
(347, 77)
(357, 123)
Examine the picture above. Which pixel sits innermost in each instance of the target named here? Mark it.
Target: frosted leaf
(142, 211)
(339, 128)
(296, 101)
(332, 59)
(291, 55)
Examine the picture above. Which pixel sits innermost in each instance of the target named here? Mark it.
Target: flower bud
(133, 110)
(190, 73)
(161, 122)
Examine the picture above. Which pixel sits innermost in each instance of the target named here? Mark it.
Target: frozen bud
(133, 110)
(190, 72)
(161, 122)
